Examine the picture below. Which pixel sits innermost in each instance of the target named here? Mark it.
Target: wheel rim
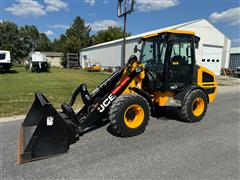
(134, 116)
(198, 106)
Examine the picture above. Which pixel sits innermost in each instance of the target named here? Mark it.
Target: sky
(53, 17)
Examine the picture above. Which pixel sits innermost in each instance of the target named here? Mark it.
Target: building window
(208, 60)
(213, 60)
(217, 60)
(203, 60)
(85, 57)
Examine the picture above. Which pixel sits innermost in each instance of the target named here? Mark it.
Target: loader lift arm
(108, 91)
(46, 132)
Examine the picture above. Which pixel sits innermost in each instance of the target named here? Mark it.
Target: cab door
(180, 62)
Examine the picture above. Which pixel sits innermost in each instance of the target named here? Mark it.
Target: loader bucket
(43, 133)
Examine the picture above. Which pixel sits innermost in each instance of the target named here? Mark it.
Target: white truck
(5, 60)
(38, 62)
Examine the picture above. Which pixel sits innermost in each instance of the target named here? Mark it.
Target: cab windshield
(153, 50)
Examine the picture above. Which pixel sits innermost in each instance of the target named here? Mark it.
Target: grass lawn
(17, 88)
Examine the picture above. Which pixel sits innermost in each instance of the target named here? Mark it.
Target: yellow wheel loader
(165, 74)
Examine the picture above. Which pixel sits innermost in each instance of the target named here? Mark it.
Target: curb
(13, 118)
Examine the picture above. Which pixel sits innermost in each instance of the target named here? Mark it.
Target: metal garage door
(212, 57)
(234, 61)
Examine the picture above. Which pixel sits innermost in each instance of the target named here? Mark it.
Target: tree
(30, 34)
(77, 36)
(58, 44)
(80, 31)
(43, 44)
(21, 40)
(11, 40)
(112, 33)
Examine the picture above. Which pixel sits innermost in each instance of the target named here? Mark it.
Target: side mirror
(196, 41)
(197, 45)
(135, 50)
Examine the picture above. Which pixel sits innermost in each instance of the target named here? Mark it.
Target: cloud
(59, 26)
(154, 5)
(26, 8)
(105, 1)
(49, 33)
(1, 20)
(91, 2)
(55, 5)
(230, 16)
(34, 8)
(103, 24)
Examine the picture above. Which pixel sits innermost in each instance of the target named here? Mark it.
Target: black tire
(120, 111)
(38, 70)
(33, 69)
(187, 112)
(7, 69)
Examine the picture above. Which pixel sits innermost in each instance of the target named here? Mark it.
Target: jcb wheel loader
(165, 74)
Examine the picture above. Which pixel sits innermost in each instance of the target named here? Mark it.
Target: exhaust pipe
(45, 132)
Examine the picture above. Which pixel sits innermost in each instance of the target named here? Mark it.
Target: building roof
(235, 50)
(138, 36)
(53, 54)
(4, 51)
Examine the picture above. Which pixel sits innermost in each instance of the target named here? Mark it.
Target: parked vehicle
(5, 60)
(94, 68)
(237, 72)
(38, 62)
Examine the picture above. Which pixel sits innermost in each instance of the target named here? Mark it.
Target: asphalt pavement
(169, 149)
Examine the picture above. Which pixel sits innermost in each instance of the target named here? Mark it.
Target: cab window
(153, 50)
(181, 53)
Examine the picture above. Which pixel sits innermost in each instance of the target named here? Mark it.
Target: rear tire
(129, 115)
(194, 106)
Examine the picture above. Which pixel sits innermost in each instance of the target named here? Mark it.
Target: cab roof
(173, 31)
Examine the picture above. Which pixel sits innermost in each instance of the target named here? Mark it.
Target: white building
(213, 51)
(54, 58)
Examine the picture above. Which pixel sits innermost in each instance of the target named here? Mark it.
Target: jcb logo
(106, 102)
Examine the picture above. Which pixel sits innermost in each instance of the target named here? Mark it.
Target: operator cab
(169, 59)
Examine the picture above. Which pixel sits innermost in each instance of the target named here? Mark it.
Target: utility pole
(125, 7)
(124, 35)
